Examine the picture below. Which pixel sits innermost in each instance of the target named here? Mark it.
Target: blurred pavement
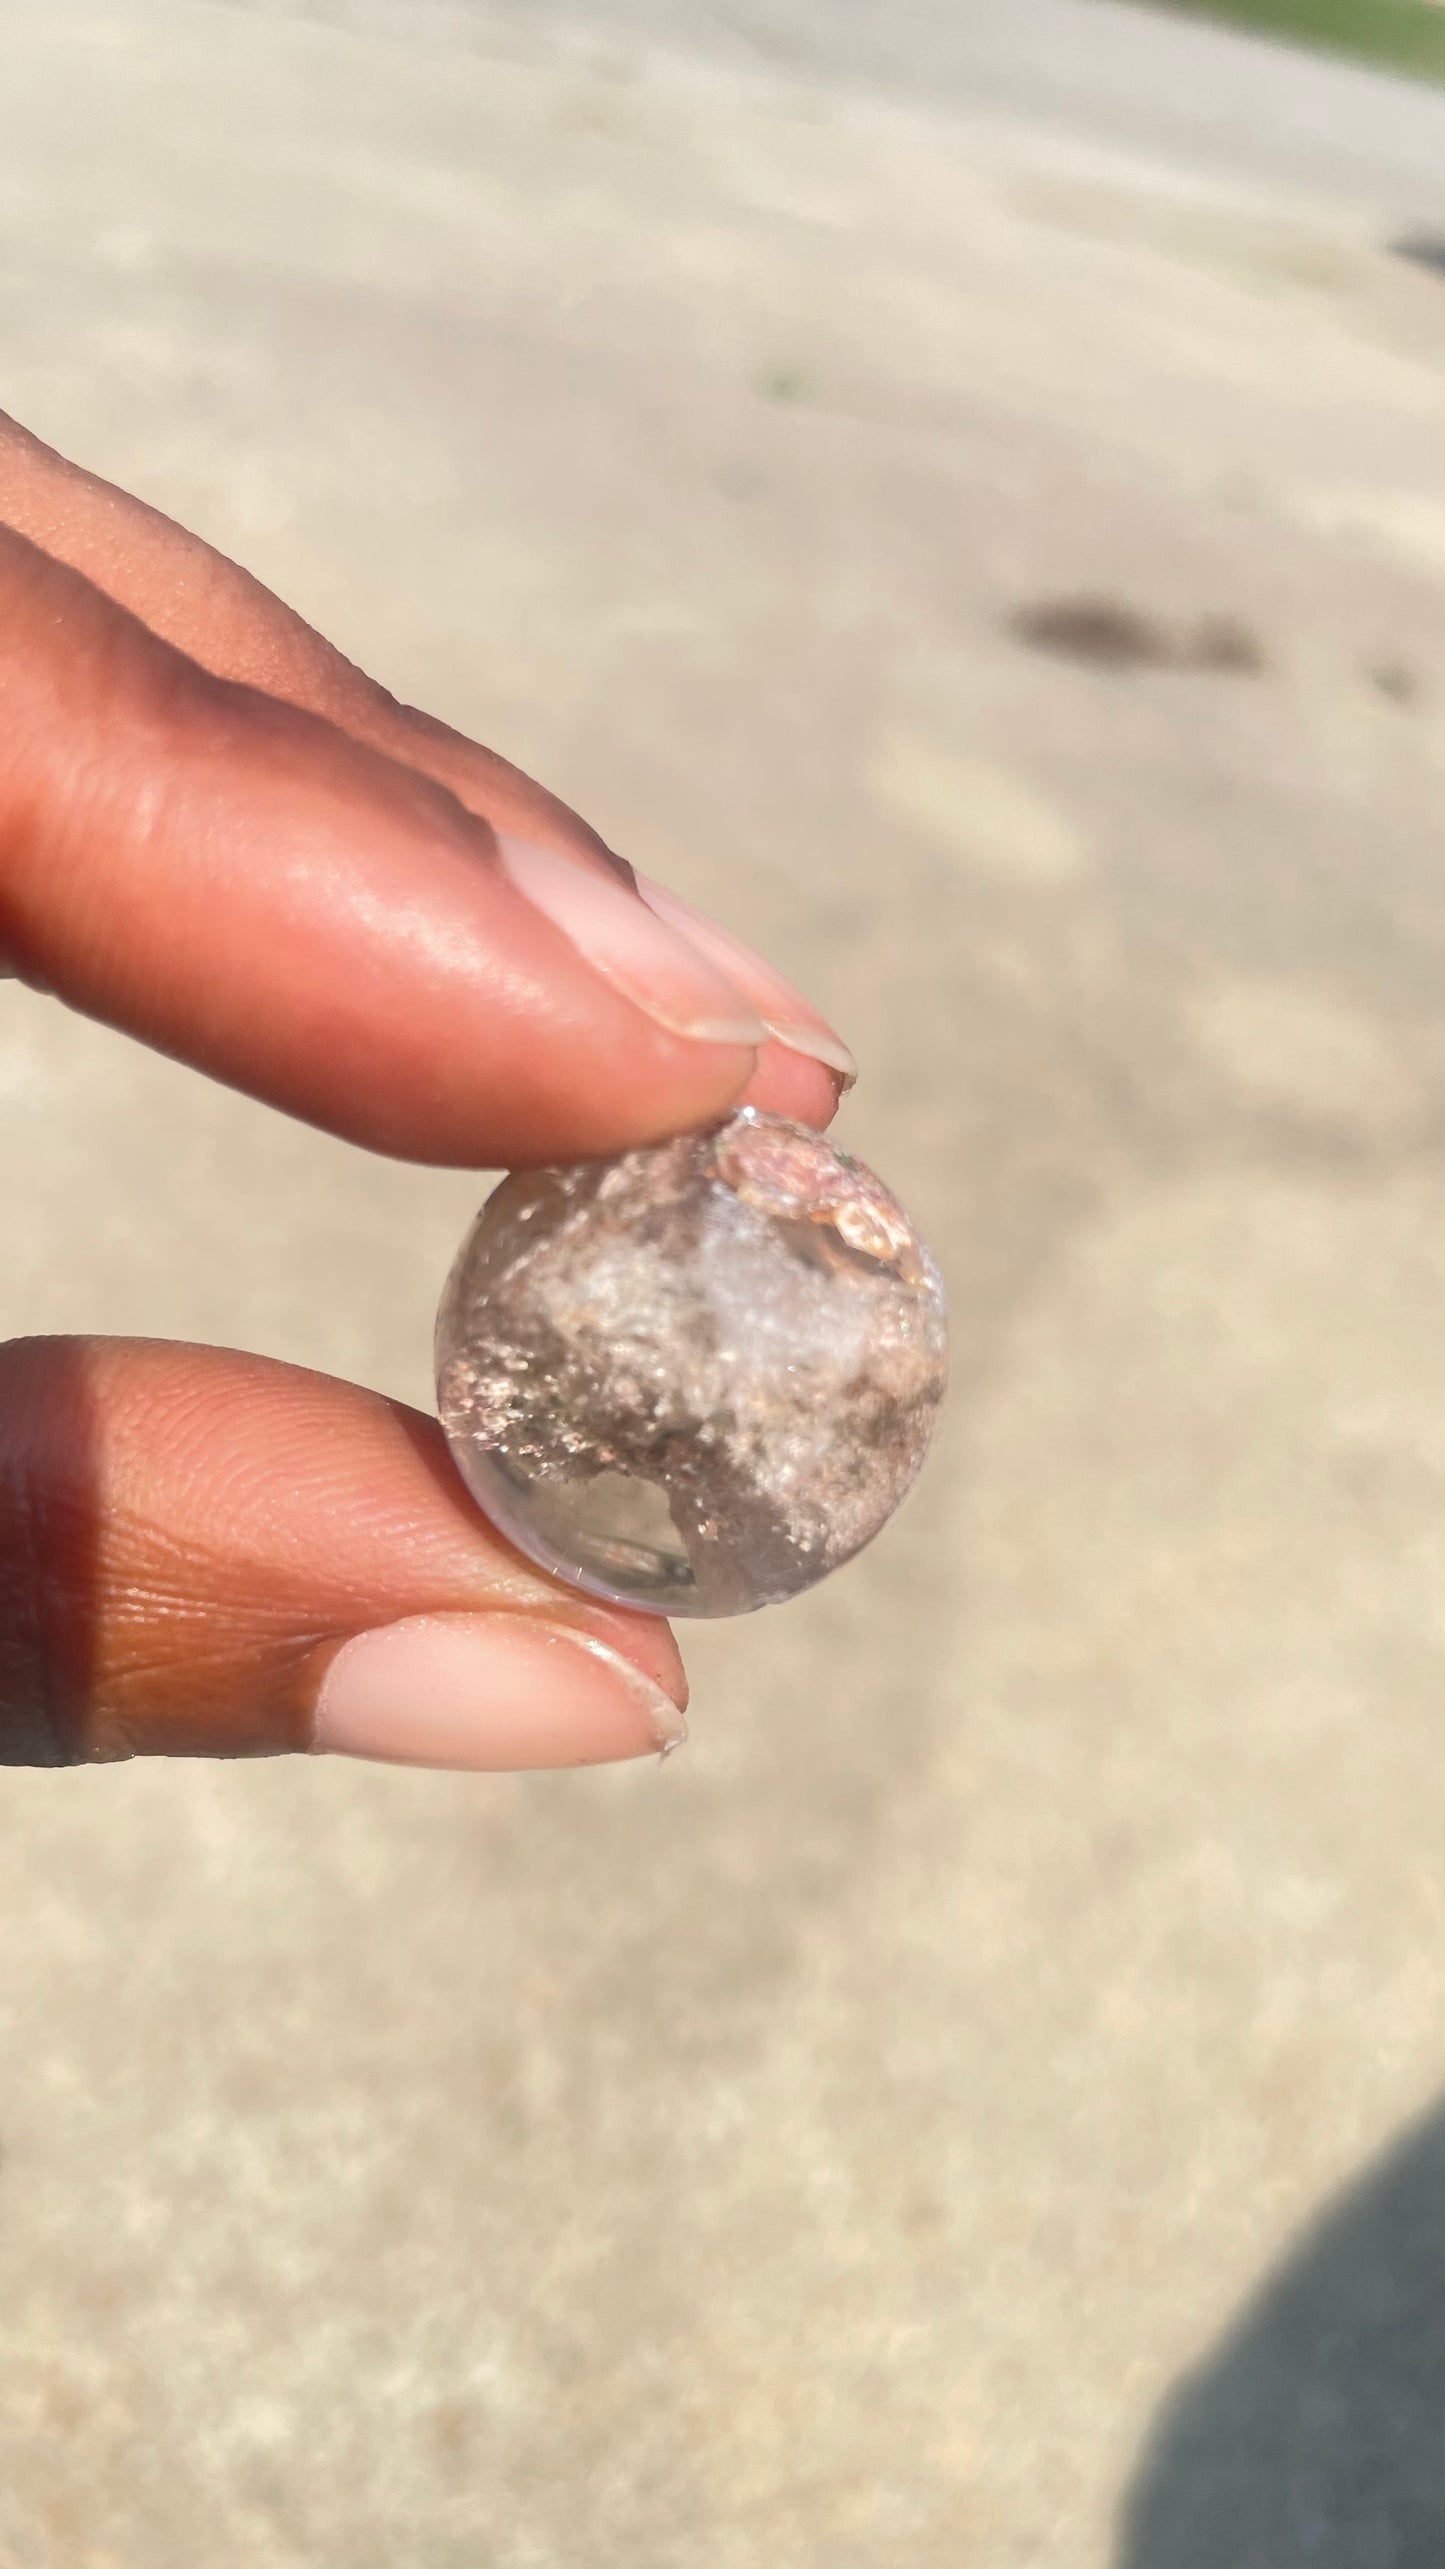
(977, 2106)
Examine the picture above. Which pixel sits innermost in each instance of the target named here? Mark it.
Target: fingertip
(797, 1033)
(647, 1641)
(788, 1083)
(660, 970)
(489, 1693)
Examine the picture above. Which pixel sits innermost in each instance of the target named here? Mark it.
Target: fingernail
(789, 1017)
(658, 970)
(489, 1692)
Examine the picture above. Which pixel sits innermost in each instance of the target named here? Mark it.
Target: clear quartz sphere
(696, 1377)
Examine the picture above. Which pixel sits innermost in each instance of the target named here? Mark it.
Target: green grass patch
(1399, 35)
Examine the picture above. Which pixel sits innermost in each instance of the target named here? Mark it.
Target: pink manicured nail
(659, 971)
(497, 1691)
(788, 1016)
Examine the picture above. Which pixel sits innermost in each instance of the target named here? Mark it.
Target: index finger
(226, 622)
(244, 885)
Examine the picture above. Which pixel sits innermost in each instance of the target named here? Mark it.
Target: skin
(219, 836)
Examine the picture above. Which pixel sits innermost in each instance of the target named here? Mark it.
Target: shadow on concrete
(1313, 2436)
(1423, 250)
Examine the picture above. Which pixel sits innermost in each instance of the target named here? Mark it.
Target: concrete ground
(981, 2104)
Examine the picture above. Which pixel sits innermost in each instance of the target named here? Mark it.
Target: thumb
(208, 1554)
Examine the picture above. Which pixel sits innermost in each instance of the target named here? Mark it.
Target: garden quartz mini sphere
(696, 1377)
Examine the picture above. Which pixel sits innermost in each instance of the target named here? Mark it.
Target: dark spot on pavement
(1107, 633)
(1423, 250)
(1221, 642)
(1103, 633)
(1395, 679)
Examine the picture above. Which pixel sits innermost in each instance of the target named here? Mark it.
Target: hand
(216, 834)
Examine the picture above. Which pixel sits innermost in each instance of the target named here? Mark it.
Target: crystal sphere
(696, 1377)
